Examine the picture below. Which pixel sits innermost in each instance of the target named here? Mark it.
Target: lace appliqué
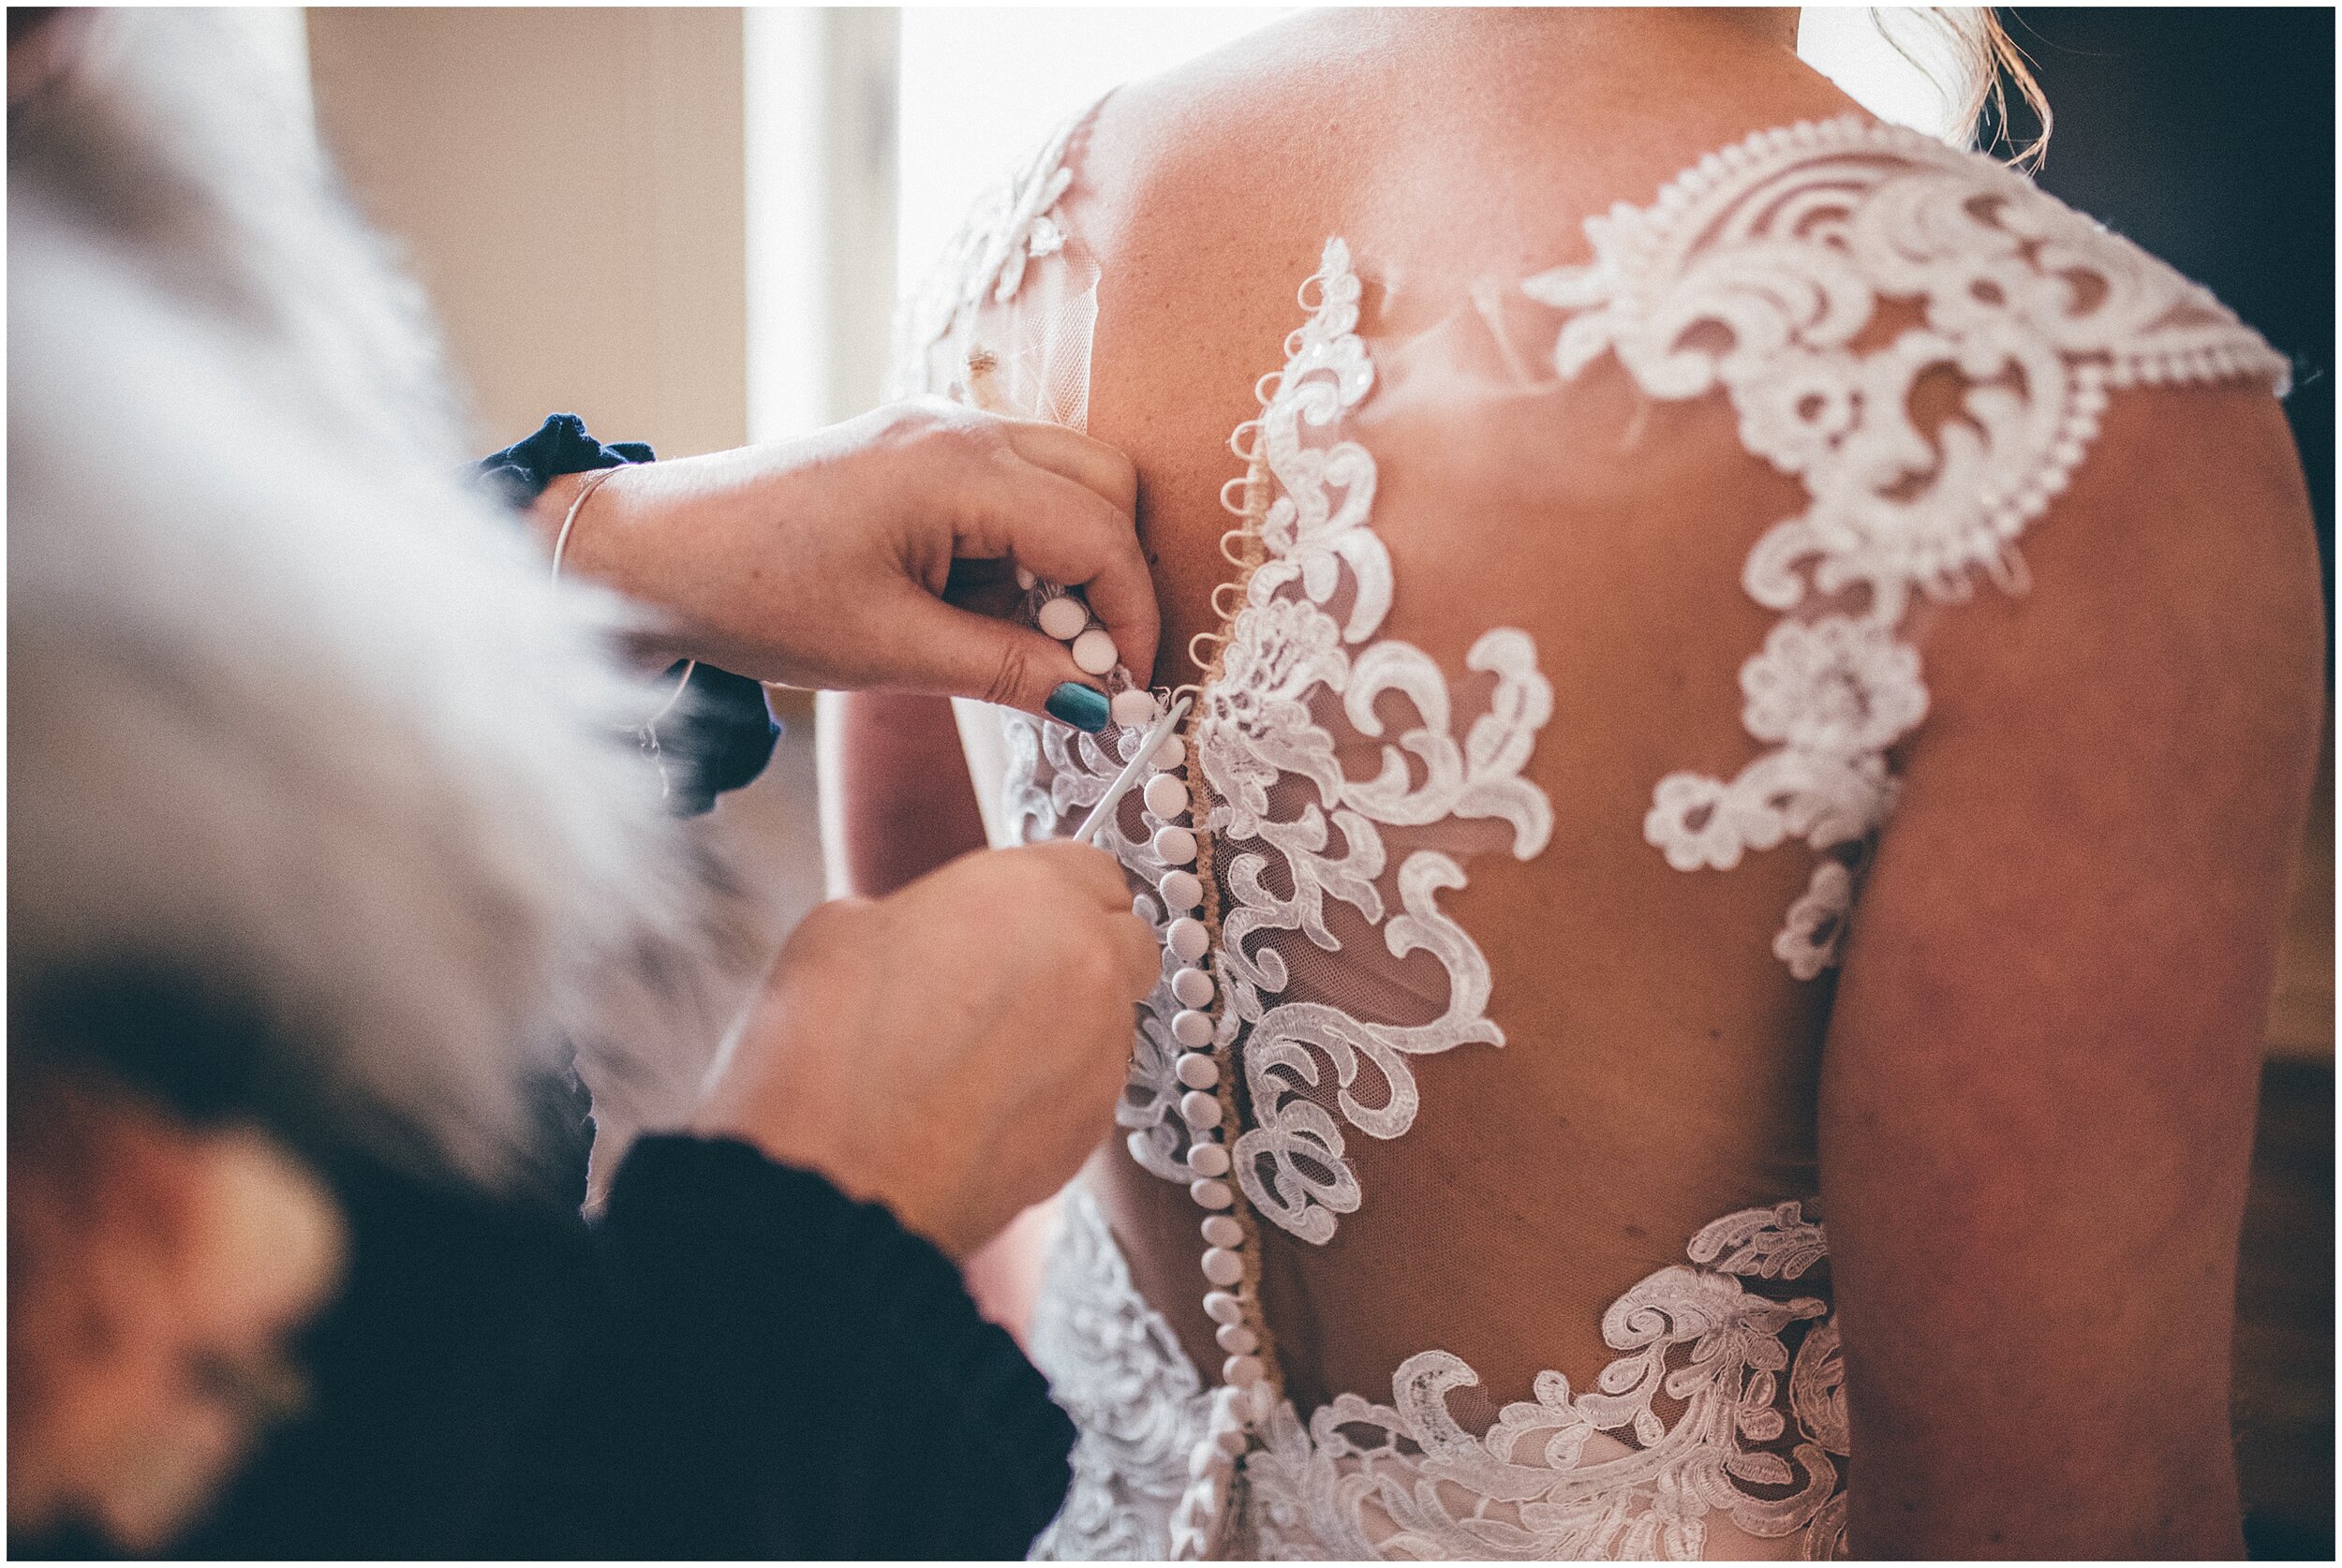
(1015, 225)
(1287, 656)
(1054, 773)
(1759, 272)
(1604, 1474)
(1695, 1418)
(1135, 1398)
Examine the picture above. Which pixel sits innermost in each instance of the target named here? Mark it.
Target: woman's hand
(953, 1050)
(876, 553)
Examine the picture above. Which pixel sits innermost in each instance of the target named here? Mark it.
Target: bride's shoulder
(1917, 336)
(1805, 234)
(1921, 335)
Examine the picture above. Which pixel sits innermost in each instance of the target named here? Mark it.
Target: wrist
(602, 525)
(545, 513)
(592, 521)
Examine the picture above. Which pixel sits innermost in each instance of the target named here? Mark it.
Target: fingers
(1070, 533)
(1130, 943)
(959, 653)
(1139, 952)
(1089, 869)
(1075, 455)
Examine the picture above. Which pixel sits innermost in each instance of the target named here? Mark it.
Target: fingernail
(1082, 707)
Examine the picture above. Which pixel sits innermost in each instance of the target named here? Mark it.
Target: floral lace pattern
(1767, 273)
(1078, 768)
(1602, 1474)
(1727, 1401)
(1286, 660)
(1134, 1397)
(1761, 273)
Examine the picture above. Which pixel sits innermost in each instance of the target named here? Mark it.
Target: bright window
(981, 86)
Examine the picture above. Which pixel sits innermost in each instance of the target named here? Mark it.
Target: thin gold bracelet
(561, 540)
(648, 734)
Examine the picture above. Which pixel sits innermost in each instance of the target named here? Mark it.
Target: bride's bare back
(1549, 1064)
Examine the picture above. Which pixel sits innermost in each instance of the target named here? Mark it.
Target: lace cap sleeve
(1776, 272)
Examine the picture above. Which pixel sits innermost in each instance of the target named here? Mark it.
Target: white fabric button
(1133, 709)
(1182, 891)
(1175, 845)
(1144, 908)
(1193, 987)
(1063, 618)
(1222, 1267)
(1094, 651)
(1166, 795)
(1220, 1231)
(1198, 1109)
(1237, 1340)
(1171, 754)
(1026, 580)
(1197, 1070)
(1242, 1372)
(1210, 1194)
(1188, 939)
(1258, 1402)
(1192, 1029)
(1210, 1160)
(1232, 1441)
(1220, 1307)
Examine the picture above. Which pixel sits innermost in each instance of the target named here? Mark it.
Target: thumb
(964, 654)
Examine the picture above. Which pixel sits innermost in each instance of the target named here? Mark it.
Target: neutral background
(687, 225)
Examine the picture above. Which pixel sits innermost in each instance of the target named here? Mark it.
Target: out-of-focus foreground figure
(317, 828)
(341, 865)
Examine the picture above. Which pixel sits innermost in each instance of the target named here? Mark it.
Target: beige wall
(569, 185)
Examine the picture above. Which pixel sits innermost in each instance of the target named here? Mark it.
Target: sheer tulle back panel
(1656, 1061)
(1586, 543)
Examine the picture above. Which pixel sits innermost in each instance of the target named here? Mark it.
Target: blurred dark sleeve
(804, 1377)
(734, 1361)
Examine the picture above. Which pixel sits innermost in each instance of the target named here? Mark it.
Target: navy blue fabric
(560, 446)
(721, 734)
(719, 738)
(736, 1360)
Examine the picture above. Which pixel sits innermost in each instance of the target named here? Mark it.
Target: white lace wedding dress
(1336, 776)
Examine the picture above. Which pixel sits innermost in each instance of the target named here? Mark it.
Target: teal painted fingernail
(1082, 707)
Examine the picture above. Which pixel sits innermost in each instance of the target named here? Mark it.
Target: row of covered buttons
(1237, 1405)
(1066, 617)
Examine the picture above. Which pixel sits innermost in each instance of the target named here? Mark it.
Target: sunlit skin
(846, 557)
